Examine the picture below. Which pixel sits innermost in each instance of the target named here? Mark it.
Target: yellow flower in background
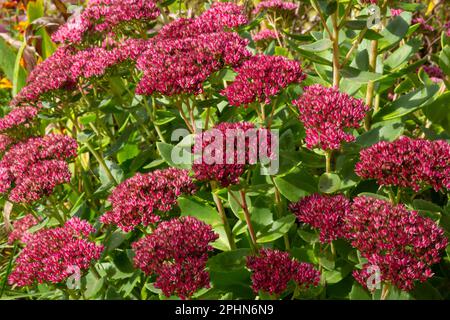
(5, 84)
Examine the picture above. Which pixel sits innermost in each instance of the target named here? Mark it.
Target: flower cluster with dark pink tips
(272, 270)
(51, 255)
(325, 213)
(139, 199)
(105, 16)
(278, 5)
(326, 113)
(262, 77)
(266, 34)
(31, 169)
(20, 229)
(401, 243)
(408, 163)
(176, 252)
(18, 118)
(224, 151)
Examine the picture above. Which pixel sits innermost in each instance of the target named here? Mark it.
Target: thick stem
(248, 221)
(371, 84)
(328, 156)
(279, 205)
(335, 39)
(385, 291)
(223, 217)
(101, 162)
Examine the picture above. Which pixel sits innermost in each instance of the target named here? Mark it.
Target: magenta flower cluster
(140, 199)
(434, 72)
(278, 5)
(215, 162)
(326, 113)
(325, 213)
(51, 255)
(272, 270)
(18, 118)
(20, 229)
(266, 34)
(401, 243)
(105, 16)
(408, 163)
(262, 77)
(182, 65)
(31, 169)
(176, 252)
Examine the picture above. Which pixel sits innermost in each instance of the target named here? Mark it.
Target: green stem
(328, 157)
(279, 206)
(371, 84)
(101, 162)
(248, 221)
(335, 39)
(223, 216)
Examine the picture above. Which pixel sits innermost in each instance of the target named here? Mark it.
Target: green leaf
(296, 185)
(175, 156)
(329, 183)
(359, 293)
(317, 46)
(229, 261)
(395, 31)
(444, 60)
(388, 132)
(278, 229)
(403, 54)
(200, 210)
(407, 103)
(420, 204)
(439, 111)
(129, 151)
(359, 76)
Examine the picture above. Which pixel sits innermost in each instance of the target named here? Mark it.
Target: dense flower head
(407, 162)
(63, 69)
(103, 16)
(5, 142)
(278, 5)
(223, 152)
(222, 16)
(396, 12)
(401, 243)
(326, 113)
(20, 229)
(18, 117)
(262, 77)
(423, 23)
(325, 213)
(176, 66)
(272, 270)
(31, 169)
(52, 255)
(176, 252)
(139, 200)
(266, 34)
(51, 74)
(434, 72)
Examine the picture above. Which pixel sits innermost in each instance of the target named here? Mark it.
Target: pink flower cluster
(104, 16)
(17, 118)
(262, 77)
(5, 142)
(62, 70)
(272, 270)
(176, 252)
(434, 72)
(52, 255)
(224, 151)
(137, 200)
(396, 12)
(326, 113)
(400, 242)
(408, 163)
(325, 213)
(20, 229)
(266, 34)
(278, 5)
(222, 16)
(423, 23)
(31, 169)
(176, 66)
